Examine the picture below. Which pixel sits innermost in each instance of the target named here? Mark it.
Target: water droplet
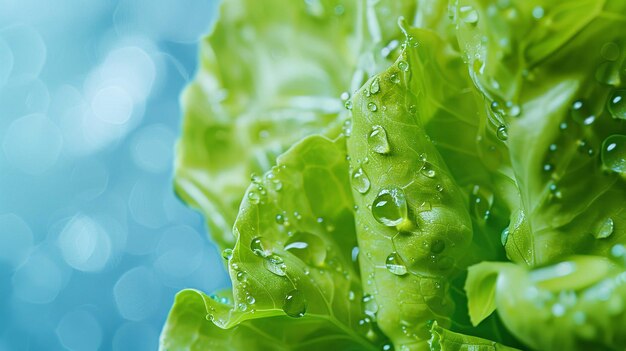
(437, 246)
(250, 299)
(617, 104)
(242, 306)
(481, 202)
(360, 181)
(295, 304)
(412, 109)
(372, 106)
(428, 170)
(538, 12)
(613, 153)
(403, 65)
(227, 254)
(348, 105)
(256, 245)
(504, 236)
(347, 127)
(552, 147)
(389, 207)
(210, 317)
(280, 219)
(581, 114)
(604, 229)
(370, 307)
(308, 247)
(276, 265)
(395, 264)
(377, 140)
(554, 190)
(547, 167)
(439, 187)
(502, 133)
(375, 86)
(254, 197)
(351, 295)
(468, 14)
(394, 78)
(241, 276)
(345, 96)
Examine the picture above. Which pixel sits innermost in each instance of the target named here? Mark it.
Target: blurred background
(93, 242)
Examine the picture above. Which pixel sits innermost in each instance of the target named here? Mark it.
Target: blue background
(93, 242)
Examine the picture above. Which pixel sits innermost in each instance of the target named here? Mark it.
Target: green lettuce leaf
(446, 340)
(294, 253)
(271, 73)
(574, 304)
(412, 221)
(549, 72)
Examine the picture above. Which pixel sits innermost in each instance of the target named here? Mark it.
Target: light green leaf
(188, 329)
(412, 221)
(293, 255)
(548, 71)
(574, 304)
(480, 287)
(445, 340)
(271, 73)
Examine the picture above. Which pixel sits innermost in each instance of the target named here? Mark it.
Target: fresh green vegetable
(387, 174)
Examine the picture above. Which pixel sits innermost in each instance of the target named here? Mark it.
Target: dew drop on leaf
(468, 14)
(377, 140)
(256, 245)
(427, 170)
(276, 265)
(372, 106)
(295, 304)
(375, 86)
(403, 65)
(395, 264)
(348, 105)
(617, 104)
(504, 236)
(360, 181)
(370, 306)
(227, 254)
(254, 197)
(394, 78)
(604, 229)
(308, 247)
(389, 207)
(502, 132)
(613, 153)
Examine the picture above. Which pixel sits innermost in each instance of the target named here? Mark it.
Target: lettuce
(388, 174)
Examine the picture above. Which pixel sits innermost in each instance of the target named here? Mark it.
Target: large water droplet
(375, 86)
(581, 114)
(308, 247)
(394, 78)
(389, 207)
(372, 106)
(348, 105)
(617, 104)
(395, 264)
(295, 304)
(256, 245)
(276, 265)
(604, 229)
(360, 181)
(614, 153)
(377, 140)
(254, 197)
(468, 14)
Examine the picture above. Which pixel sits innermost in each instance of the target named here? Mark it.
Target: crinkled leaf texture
(574, 304)
(271, 73)
(445, 340)
(292, 266)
